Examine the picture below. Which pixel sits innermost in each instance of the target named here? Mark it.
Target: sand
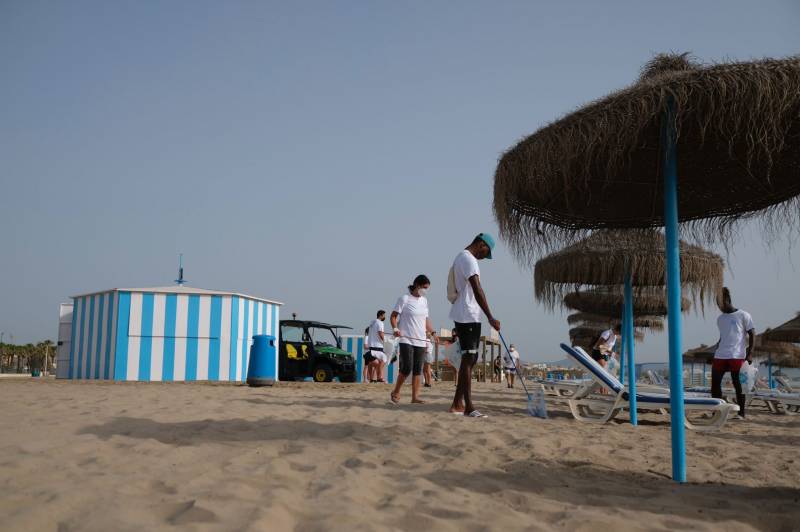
(305, 456)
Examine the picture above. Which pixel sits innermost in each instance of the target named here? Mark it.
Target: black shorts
(598, 356)
(411, 358)
(469, 337)
(368, 357)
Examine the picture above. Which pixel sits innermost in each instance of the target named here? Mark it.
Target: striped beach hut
(172, 333)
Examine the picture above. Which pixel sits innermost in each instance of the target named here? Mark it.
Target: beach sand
(305, 456)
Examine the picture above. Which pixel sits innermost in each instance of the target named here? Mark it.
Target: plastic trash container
(261, 371)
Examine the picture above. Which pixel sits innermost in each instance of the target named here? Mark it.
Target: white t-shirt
(609, 340)
(733, 329)
(374, 338)
(413, 315)
(511, 362)
(465, 309)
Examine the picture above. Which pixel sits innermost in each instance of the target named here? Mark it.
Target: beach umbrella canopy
(705, 146)
(787, 332)
(592, 332)
(589, 319)
(702, 354)
(782, 353)
(651, 302)
(737, 133)
(605, 257)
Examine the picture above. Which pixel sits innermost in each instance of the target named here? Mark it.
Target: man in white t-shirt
(468, 301)
(375, 347)
(735, 347)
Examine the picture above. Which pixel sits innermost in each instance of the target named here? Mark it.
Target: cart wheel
(323, 373)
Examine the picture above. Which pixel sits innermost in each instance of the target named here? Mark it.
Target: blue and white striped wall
(355, 346)
(150, 336)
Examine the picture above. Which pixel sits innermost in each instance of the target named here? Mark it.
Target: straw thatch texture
(787, 332)
(592, 332)
(602, 259)
(588, 319)
(650, 302)
(701, 354)
(738, 152)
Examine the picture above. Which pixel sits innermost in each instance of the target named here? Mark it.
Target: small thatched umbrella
(651, 302)
(776, 353)
(606, 257)
(592, 332)
(652, 323)
(787, 332)
(737, 130)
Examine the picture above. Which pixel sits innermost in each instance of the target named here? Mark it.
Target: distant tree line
(27, 357)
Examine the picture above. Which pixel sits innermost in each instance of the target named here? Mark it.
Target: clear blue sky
(322, 154)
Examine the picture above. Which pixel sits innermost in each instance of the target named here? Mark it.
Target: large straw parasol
(787, 332)
(652, 323)
(651, 302)
(706, 146)
(736, 130)
(606, 257)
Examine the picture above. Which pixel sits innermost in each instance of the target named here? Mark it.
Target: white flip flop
(475, 413)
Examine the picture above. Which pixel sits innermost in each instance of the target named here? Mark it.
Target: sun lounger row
(587, 405)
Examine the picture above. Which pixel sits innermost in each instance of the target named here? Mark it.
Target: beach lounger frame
(594, 409)
(779, 402)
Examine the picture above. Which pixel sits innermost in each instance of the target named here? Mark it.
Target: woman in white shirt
(411, 326)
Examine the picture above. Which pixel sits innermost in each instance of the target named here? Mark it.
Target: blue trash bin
(263, 361)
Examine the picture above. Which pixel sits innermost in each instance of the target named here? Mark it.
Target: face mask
(422, 292)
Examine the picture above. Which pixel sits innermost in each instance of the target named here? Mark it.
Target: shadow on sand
(584, 484)
(577, 483)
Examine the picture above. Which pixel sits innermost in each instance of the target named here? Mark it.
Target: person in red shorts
(735, 347)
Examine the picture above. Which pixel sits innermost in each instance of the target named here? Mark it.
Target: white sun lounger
(562, 388)
(783, 384)
(600, 409)
(779, 402)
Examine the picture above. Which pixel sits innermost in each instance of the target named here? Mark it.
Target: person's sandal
(394, 398)
(475, 413)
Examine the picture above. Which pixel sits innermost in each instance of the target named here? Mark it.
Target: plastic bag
(452, 354)
(748, 374)
(537, 406)
(613, 365)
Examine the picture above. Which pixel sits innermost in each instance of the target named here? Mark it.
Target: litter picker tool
(536, 405)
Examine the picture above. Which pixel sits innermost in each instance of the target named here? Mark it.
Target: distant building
(173, 333)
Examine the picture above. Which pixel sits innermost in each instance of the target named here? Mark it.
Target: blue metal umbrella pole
(670, 171)
(629, 347)
(622, 347)
(769, 369)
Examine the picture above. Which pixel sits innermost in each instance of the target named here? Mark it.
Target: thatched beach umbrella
(776, 353)
(607, 257)
(731, 132)
(592, 332)
(651, 302)
(652, 323)
(787, 332)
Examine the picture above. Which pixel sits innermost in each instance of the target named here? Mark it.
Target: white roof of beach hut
(176, 289)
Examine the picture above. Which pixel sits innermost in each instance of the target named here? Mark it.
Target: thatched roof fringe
(646, 301)
(601, 258)
(738, 135)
